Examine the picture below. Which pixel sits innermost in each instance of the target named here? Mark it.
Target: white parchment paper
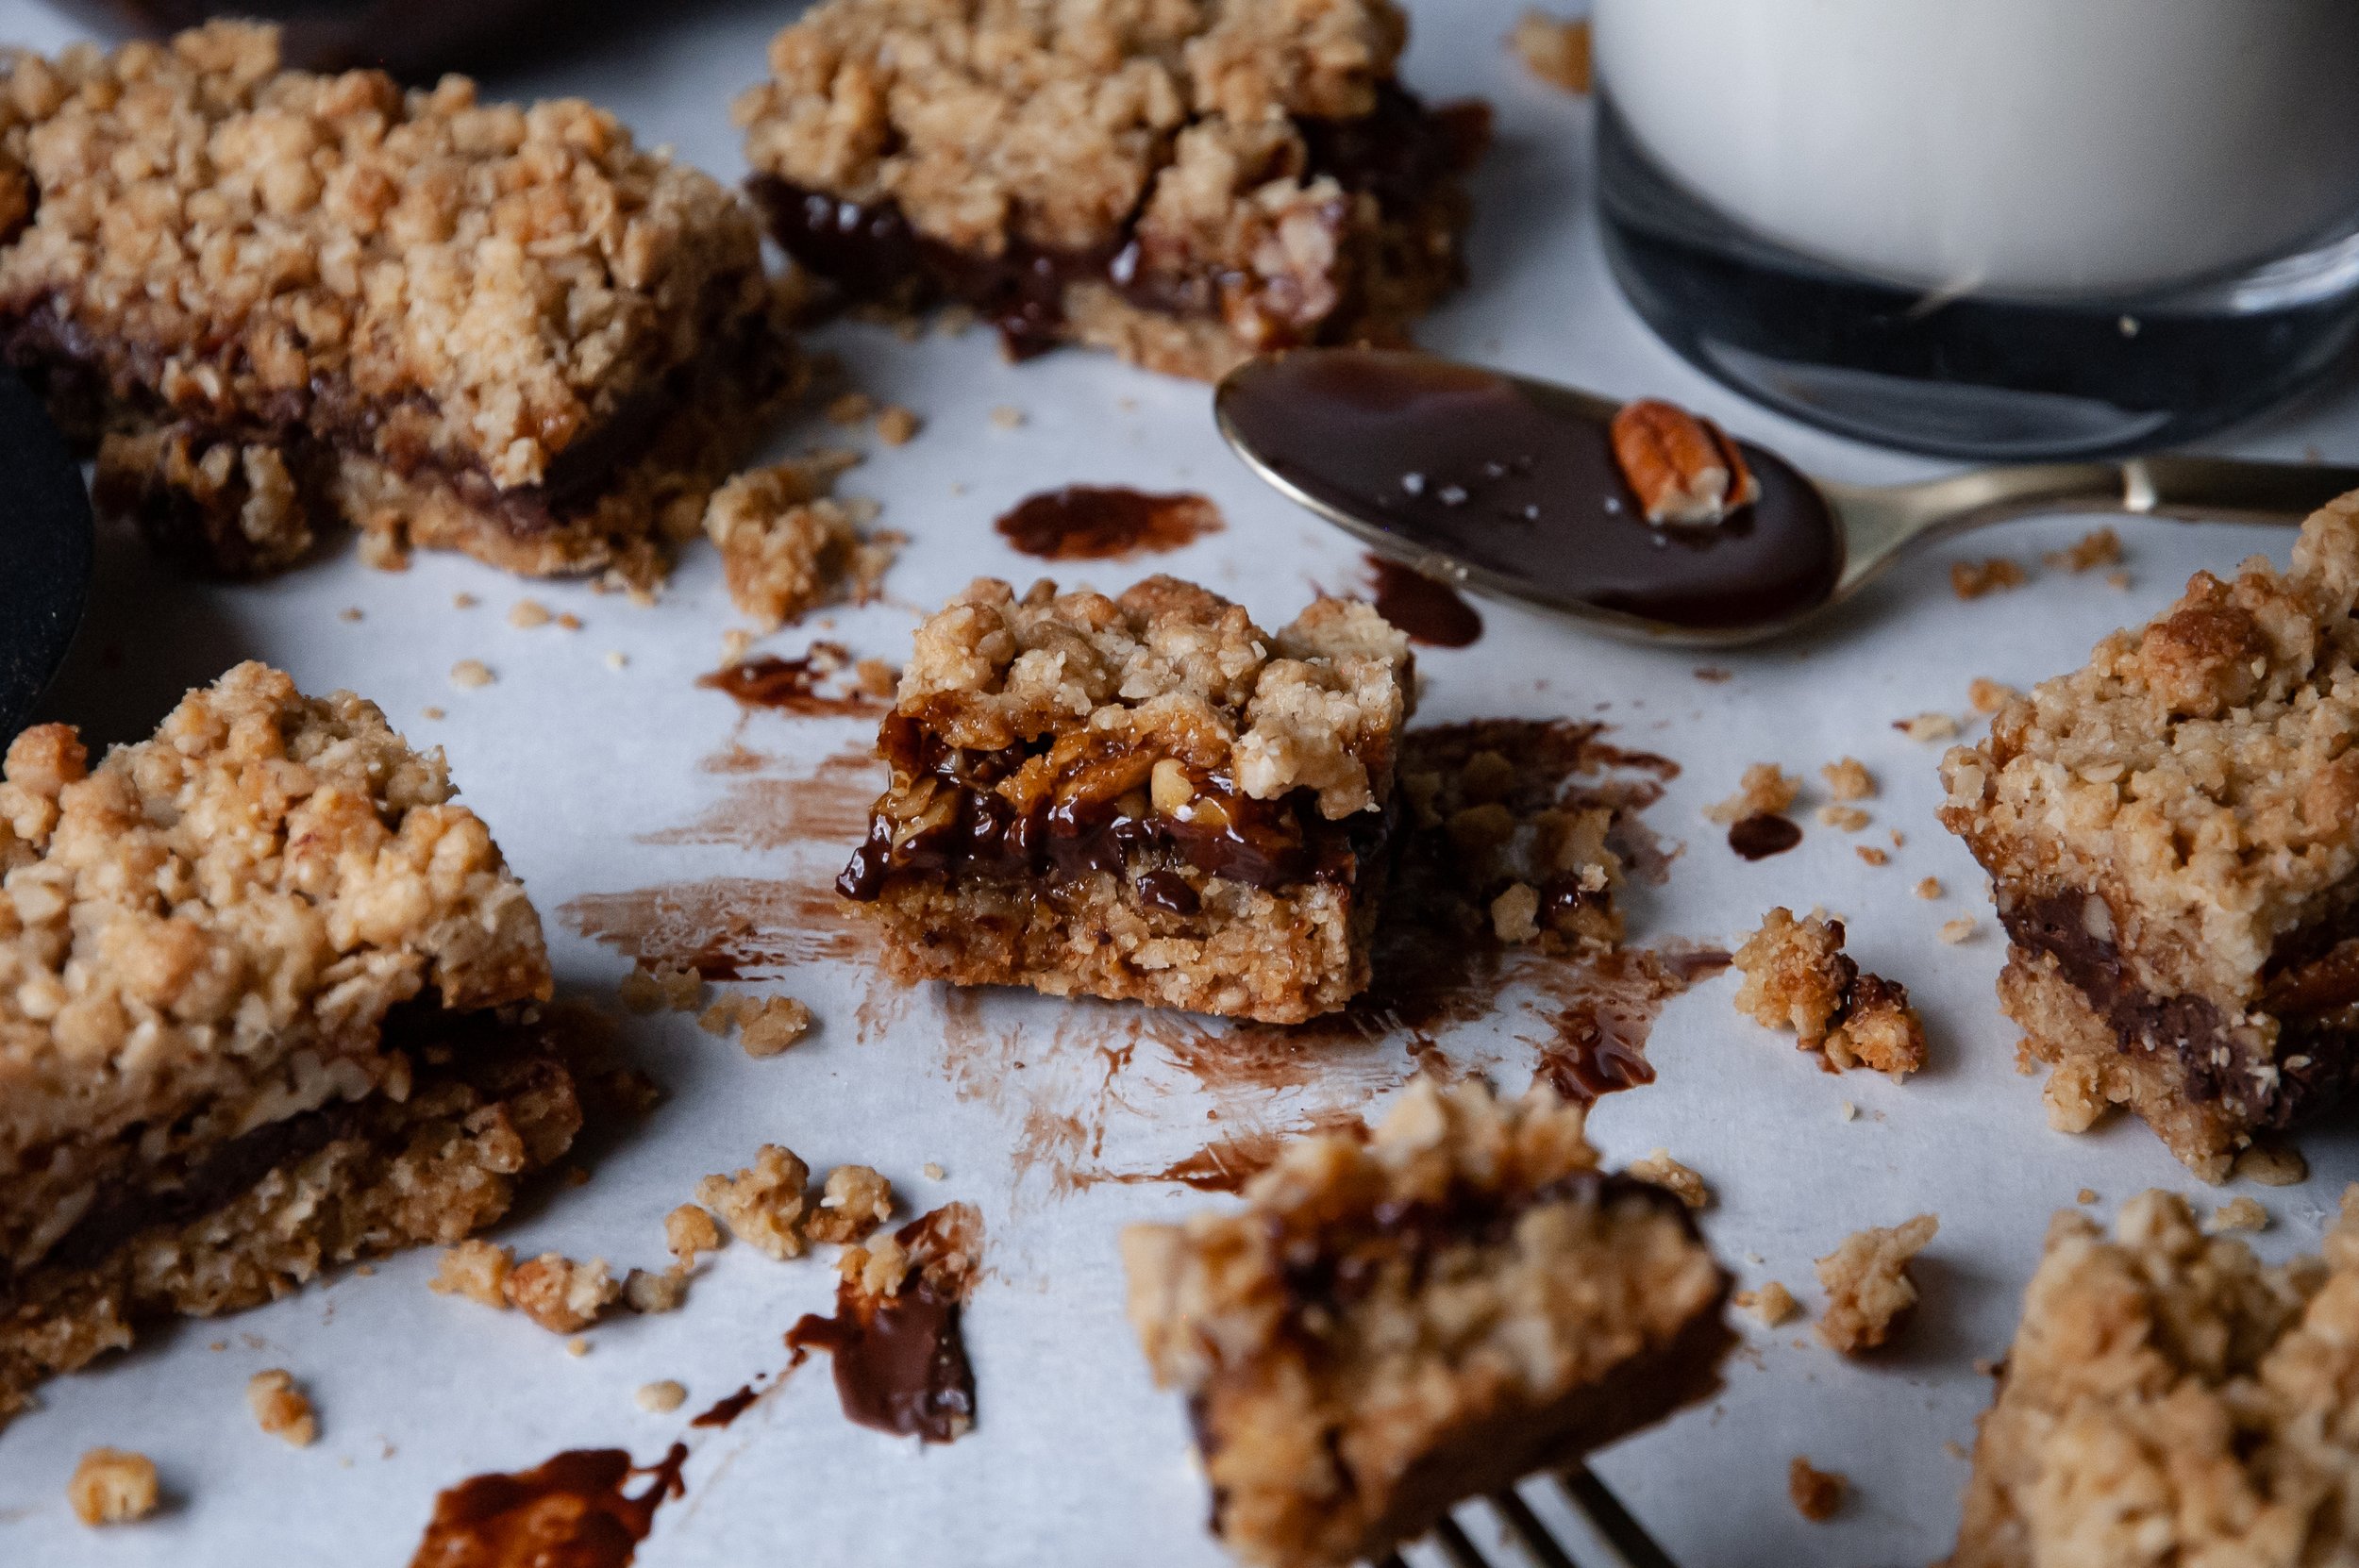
(578, 766)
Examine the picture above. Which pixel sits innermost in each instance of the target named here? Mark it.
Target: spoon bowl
(45, 547)
(1508, 486)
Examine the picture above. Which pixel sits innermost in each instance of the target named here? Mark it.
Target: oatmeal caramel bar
(2170, 1401)
(270, 299)
(2174, 836)
(1394, 1323)
(1187, 184)
(263, 1008)
(1147, 797)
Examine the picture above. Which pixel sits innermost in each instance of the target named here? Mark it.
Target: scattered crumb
(852, 408)
(876, 677)
(568, 621)
(736, 644)
(765, 1203)
(1669, 1175)
(1555, 49)
(1714, 674)
(1972, 579)
(1955, 1449)
(2272, 1165)
(1765, 791)
(1846, 1111)
(2117, 580)
(617, 658)
(1007, 416)
(689, 1230)
(471, 675)
(643, 990)
(1958, 931)
(1773, 1304)
(476, 1269)
(1798, 978)
(1515, 914)
(1897, 841)
(1847, 778)
(931, 1171)
(1818, 1493)
(430, 712)
(1928, 888)
(218, 1345)
(528, 613)
(2097, 547)
(385, 552)
(2237, 1214)
(577, 1346)
(2086, 1194)
(650, 1290)
(661, 1397)
(1869, 1293)
(113, 1486)
(350, 612)
(282, 1409)
(1851, 819)
(777, 1024)
(1928, 727)
(1873, 856)
(788, 547)
(463, 601)
(1989, 696)
(559, 1294)
(854, 1202)
(896, 426)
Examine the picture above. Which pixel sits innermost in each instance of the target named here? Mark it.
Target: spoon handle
(1878, 520)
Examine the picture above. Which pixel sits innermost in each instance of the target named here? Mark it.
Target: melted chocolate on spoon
(1459, 459)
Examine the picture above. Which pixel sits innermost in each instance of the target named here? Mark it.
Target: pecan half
(1683, 467)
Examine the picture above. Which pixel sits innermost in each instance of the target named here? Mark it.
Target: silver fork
(1617, 1540)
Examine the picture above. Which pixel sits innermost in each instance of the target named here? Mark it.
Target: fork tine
(1622, 1535)
(1455, 1546)
(1531, 1535)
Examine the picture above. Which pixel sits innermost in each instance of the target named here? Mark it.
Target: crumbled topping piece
(1972, 579)
(282, 1409)
(1667, 1172)
(1818, 1495)
(644, 990)
(779, 1023)
(854, 1201)
(471, 675)
(1928, 727)
(764, 1204)
(1957, 930)
(1007, 416)
(1989, 696)
(1873, 856)
(476, 1269)
(1847, 778)
(1555, 49)
(1869, 1292)
(1515, 913)
(561, 1294)
(896, 426)
(1851, 819)
(1928, 888)
(113, 1486)
(2237, 1214)
(1797, 977)
(2271, 1164)
(2097, 547)
(646, 1291)
(1772, 1304)
(527, 614)
(851, 407)
(689, 1230)
(789, 547)
(660, 1397)
(1766, 790)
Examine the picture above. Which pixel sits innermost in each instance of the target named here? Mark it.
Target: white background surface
(1076, 1458)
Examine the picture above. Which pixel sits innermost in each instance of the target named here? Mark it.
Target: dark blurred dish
(44, 552)
(412, 38)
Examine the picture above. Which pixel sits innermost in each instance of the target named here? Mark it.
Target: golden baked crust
(205, 934)
(1164, 164)
(1145, 798)
(1798, 978)
(505, 301)
(2174, 831)
(1398, 1321)
(2170, 1401)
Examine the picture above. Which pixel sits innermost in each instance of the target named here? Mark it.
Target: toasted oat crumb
(2271, 1164)
(1798, 978)
(280, 1407)
(789, 547)
(1846, 1111)
(2237, 1214)
(1869, 1292)
(561, 1294)
(577, 1346)
(1929, 889)
(931, 1171)
(2119, 580)
(779, 1023)
(648, 1291)
(854, 1201)
(476, 1269)
(1972, 579)
(1958, 931)
(1989, 696)
(2097, 547)
(765, 1203)
(1773, 1304)
(471, 675)
(660, 1397)
(1515, 914)
(851, 407)
(1007, 416)
(431, 711)
(350, 612)
(463, 601)
(1554, 49)
(720, 1018)
(1928, 727)
(617, 658)
(2086, 1194)
(1847, 778)
(679, 988)
(527, 613)
(1672, 1177)
(568, 621)
(876, 677)
(1765, 790)
(1818, 1493)
(1897, 841)
(113, 1486)
(1851, 819)
(1873, 856)
(896, 426)
(689, 1230)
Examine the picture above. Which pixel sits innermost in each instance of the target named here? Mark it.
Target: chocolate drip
(569, 1513)
(1764, 834)
(727, 1408)
(900, 1364)
(1429, 611)
(1097, 522)
(787, 685)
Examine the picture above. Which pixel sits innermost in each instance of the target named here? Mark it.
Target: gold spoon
(1508, 486)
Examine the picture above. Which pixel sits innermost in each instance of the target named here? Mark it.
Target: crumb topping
(1818, 1493)
(1798, 978)
(764, 1205)
(561, 1296)
(1765, 790)
(1870, 1294)
(788, 547)
(113, 1486)
(282, 1409)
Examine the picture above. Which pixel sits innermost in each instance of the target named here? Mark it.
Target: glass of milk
(1992, 229)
